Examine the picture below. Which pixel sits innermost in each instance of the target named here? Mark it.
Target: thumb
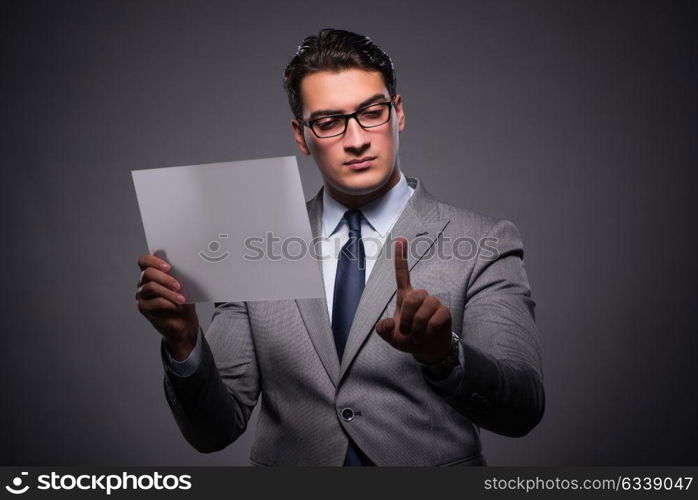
(385, 328)
(189, 310)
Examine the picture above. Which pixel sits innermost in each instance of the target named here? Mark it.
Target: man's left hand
(421, 324)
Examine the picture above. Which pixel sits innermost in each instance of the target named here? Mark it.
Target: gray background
(576, 120)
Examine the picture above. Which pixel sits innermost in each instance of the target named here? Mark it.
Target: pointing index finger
(402, 271)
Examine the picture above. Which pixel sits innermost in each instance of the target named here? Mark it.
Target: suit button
(347, 414)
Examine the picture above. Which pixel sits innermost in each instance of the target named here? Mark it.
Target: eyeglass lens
(372, 116)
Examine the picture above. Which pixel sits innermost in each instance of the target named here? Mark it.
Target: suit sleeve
(502, 386)
(213, 403)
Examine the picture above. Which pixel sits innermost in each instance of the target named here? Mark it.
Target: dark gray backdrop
(577, 122)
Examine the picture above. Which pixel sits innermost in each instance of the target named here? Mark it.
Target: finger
(152, 290)
(422, 317)
(412, 302)
(402, 272)
(148, 260)
(439, 321)
(386, 329)
(157, 306)
(152, 274)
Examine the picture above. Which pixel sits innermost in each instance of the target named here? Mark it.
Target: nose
(355, 137)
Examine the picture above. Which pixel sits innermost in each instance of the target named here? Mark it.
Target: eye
(328, 123)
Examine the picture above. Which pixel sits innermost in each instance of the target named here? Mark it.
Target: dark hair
(334, 50)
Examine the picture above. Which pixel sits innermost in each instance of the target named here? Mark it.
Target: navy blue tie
(349, 282)
(348, 287)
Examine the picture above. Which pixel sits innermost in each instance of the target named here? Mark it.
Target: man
(410, 352)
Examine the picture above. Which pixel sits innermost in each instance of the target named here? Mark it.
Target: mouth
(360, 163)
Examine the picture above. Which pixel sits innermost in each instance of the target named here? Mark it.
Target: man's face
(344, 92)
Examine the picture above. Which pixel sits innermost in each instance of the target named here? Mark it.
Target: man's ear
(300, 139)
(400, 112)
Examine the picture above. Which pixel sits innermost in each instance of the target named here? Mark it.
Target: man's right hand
(160, 300)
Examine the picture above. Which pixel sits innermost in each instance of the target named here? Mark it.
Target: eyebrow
(366, 102)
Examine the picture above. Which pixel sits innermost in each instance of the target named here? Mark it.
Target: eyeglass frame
(346, 117)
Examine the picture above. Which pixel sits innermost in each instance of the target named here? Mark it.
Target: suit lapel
(314, 311)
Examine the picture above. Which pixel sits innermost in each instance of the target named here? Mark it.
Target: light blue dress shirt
(379, 217)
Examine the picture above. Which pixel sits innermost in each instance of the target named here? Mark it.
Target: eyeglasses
(370, 116)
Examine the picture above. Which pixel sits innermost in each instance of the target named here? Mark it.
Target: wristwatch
(440, 370)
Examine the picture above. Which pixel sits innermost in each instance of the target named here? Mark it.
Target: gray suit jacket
(311, 403)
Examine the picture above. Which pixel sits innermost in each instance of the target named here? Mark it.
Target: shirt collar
(380, 213)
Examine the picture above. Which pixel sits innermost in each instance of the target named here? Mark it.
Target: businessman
(420, 341)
